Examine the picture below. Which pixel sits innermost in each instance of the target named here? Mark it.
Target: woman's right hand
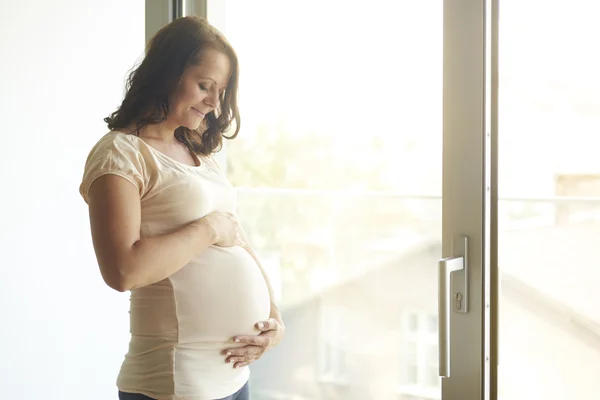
(226, 229)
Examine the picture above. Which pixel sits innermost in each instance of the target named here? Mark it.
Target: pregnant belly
(218, 295)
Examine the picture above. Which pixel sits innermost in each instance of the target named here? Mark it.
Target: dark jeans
(242, 394)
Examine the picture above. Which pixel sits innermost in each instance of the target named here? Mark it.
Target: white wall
(63, 334)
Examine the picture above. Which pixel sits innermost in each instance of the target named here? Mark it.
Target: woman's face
(199, 90)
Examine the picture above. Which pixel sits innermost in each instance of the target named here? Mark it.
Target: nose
(212, 99)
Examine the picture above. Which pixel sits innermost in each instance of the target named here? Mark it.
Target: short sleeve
(115, 154)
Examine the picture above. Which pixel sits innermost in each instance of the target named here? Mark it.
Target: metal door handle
(456, 294)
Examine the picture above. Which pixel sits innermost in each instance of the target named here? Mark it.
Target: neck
(163, 131)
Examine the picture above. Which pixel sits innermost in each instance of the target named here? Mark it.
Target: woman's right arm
(127, 261)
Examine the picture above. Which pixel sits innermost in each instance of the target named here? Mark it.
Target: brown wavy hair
(149, 86)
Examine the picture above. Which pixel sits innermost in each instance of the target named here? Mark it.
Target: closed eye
(203, 87)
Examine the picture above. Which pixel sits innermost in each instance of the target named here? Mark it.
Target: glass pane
(338, 167)
(550, 213)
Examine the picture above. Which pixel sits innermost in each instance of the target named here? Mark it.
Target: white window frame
(333, 322)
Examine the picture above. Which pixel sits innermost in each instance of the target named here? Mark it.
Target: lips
(199, 112)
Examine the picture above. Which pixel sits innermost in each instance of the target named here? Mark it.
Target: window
(339, 171)
(419, 356)
(549, 189)
(330, 114)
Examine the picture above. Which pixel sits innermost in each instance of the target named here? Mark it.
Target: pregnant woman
(163, 225)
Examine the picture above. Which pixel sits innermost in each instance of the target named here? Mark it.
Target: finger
(237, 360)
(234, 352)
(238, 238)
(233, 360)
(242, 351)
(261, 340)
(268, 325)
(241, 364)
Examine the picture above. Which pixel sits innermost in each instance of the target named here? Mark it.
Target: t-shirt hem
(178, 397)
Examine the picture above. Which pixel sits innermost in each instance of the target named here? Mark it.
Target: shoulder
(114, 140)
(118, 146)
(120, 154)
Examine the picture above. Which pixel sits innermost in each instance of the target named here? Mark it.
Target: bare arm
(127, 261)
(275, 313)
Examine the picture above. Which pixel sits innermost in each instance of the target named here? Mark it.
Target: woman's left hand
(255, 346)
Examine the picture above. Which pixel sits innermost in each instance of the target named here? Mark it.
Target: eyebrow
(208, 79)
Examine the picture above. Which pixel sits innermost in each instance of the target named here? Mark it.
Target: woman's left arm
(272, 330)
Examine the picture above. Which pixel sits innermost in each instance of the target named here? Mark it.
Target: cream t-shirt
(179, 326)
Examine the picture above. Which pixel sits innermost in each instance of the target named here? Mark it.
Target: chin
(193, 125)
